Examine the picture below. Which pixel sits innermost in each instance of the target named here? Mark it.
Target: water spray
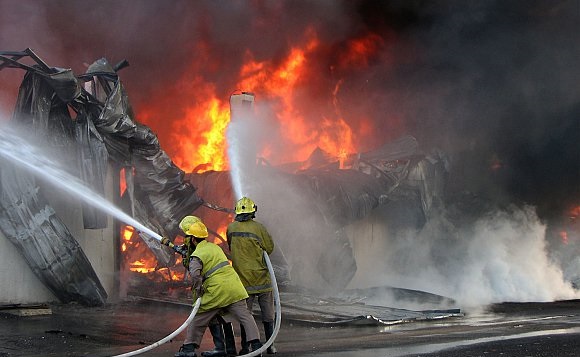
(242, 153)
(234, 157)
(241, 142)
(278, 319)
(19, 151)
(22, 153)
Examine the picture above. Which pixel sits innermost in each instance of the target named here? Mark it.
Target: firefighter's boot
(187, 350)
(218, 340)
(269, 331)
(255, 345)
(245, 348)
(229, 338)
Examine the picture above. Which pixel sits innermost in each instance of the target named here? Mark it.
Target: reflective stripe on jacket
(221, 284)
(247, 241)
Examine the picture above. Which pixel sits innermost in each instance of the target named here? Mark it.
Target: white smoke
(288, 213)
(501, 257)
(497, 257)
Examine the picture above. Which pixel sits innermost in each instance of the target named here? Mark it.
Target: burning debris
(88, 119)
(30, 223)
(397, 172)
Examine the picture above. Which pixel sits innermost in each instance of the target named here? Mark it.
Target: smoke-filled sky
(493, 83)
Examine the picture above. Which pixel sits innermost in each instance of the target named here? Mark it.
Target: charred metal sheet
(408, 169)
(312, 309)
(336, 263)
(165, 257)
(397, 296)
(104, 129)
(396, 172)
(53, 254)
(343, 196)
(93, 159)
(159, 184)
(28, 221)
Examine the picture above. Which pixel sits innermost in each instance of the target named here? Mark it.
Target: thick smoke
(492, 82)
(495, 84)
(502, 256)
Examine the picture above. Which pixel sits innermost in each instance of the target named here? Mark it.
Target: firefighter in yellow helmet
(185, 225)
(220, 289)
(247, 240)
(222, 331)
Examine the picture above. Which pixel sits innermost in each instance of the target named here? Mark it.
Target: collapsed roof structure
(100, 129)
(397, 172)
(103, 130)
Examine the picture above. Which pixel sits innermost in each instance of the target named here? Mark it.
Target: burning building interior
(370, 194)
(105, 140)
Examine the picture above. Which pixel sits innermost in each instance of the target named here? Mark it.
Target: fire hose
(278, 311)
(168, 337)
(42, 166)
(196, 307)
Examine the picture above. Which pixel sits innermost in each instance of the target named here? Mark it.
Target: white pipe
(196, 307)
(167, 338)
(278, 311)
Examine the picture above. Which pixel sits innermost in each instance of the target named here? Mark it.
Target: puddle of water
(435, 347)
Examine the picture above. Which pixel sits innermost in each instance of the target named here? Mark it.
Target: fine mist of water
(21, 152)
(234, 156)
(498, 257)
(503, 256)
(242, 135)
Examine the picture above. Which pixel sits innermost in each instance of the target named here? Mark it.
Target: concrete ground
(509, 329)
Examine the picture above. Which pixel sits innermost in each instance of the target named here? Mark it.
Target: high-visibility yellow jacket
(248, 240)
(220, 284)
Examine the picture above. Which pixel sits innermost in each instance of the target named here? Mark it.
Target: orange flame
(574, 213)
(140, 266)
(278, 85)
(198, 139)
(564, 237)
(128, 232)
(122, 182)
(359, 51)
(140, 257)
(222, 232)
(203, 144)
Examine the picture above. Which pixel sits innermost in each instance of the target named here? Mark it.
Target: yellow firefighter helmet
(186, 223)
(245, 205)
(198, 230)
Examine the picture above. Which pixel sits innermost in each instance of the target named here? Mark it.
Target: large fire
(198, 139)
(138, 258)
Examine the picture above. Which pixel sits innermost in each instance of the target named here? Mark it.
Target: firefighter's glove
(185, 262)
(181, 249)
(197, 291)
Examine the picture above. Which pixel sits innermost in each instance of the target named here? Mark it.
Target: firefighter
(220, 289)
(247, 240)
(222, 331)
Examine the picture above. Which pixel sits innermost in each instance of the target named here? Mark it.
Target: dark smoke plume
(494, 83)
